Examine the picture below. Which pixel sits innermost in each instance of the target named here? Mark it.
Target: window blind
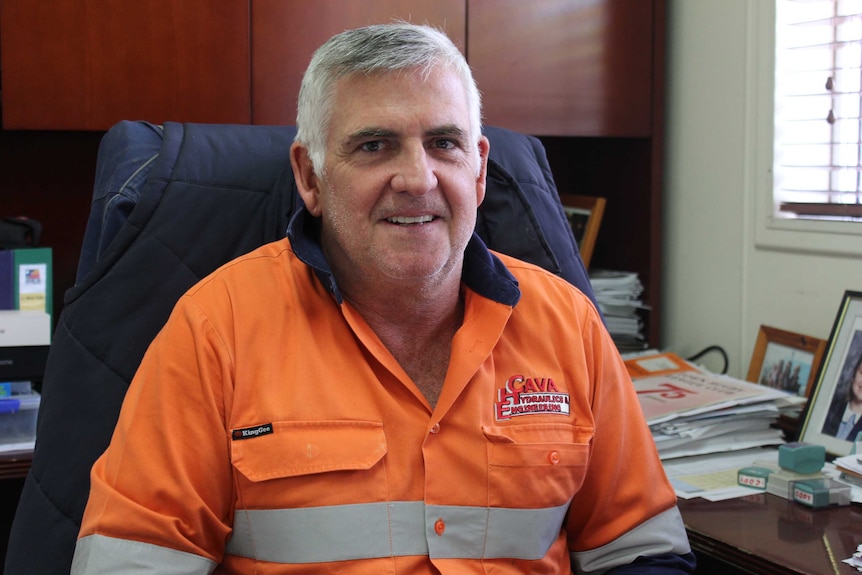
(818, 110)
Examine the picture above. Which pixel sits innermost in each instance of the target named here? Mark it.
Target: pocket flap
(537, 455)
(304, 447)
(536, 445)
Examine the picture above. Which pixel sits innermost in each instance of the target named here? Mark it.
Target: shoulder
(535, 278)
(267, 258)
(543, 289)
(263, 275)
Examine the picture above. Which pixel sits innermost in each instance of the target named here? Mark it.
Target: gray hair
(373, 49)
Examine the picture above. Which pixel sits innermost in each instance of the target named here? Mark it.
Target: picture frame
(786, 360)
(584, 214)
(822, 418)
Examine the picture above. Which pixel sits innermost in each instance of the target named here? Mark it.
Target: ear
(306, 180)
(484, 148)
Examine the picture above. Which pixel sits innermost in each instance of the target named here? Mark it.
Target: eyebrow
(447, 130)
(365, 134)
(373, 132)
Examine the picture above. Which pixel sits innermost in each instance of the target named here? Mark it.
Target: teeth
(410, 220)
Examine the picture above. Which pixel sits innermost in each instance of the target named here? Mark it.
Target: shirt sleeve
(145, 489)
(626, 507)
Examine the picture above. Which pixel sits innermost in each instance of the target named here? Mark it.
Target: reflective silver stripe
(338, 533)
(374, 530)
(98, 555)
(663, 533)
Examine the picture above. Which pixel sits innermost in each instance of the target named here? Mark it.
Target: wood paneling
(85, 65)
(285, 34)
(564, 67)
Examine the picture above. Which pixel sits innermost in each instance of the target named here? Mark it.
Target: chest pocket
(547, 460)
(310, 461)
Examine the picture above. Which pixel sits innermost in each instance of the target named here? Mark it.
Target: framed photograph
(585, 216)
(785, 360)
(833, 414)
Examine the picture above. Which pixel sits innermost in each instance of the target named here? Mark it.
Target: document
(688, 393)
(714, 477)
(697, 412)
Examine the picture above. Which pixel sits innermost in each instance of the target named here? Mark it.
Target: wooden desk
(15, 464)
(765, 534)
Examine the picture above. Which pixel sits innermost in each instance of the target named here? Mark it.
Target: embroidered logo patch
(530, 396)
(249, 432)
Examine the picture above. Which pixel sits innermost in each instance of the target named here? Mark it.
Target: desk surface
(765, 534)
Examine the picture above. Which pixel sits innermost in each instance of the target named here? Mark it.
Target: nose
(414, 171)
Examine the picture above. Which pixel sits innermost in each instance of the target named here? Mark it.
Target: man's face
(403, 176)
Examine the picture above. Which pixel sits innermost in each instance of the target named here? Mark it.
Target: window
(817, 158)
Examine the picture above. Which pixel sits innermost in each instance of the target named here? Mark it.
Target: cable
(711, 349)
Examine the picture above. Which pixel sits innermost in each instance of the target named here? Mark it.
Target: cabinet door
(564, 67)
(285, 33)
(81, 65)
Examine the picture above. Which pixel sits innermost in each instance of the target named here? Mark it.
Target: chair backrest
(171, 203)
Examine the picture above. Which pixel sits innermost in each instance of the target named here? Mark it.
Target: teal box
(753, 476)
(801, 457)
(818, 493)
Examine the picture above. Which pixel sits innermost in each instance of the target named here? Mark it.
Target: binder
(33, 281)
(7, 280)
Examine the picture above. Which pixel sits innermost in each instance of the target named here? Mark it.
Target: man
(379, 393)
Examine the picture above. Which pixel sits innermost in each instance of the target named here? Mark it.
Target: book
(7, 279)
(33, 281)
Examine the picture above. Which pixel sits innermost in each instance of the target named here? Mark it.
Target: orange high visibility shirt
(269, 430)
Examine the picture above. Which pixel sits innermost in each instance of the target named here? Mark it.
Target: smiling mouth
(409, 220)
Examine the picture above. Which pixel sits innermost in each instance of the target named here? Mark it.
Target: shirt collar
(483, 272)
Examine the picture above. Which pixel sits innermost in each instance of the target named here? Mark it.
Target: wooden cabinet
(73, 65)
(626, 167)
(545, 67)
(586, 76)
(564, 67)
(285, 33)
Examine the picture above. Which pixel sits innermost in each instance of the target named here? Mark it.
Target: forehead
(399, 101)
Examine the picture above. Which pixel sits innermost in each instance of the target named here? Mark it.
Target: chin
(411, 269)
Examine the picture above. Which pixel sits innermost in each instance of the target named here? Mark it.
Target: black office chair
(171, 203)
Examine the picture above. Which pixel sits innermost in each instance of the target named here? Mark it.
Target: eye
(444, 144)
(372, 146)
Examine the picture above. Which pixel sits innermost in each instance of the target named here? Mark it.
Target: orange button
(439, 527)
(554, 458)
(436, 429)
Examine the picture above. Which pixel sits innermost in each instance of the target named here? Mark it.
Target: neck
(403, 307)
(417, 327)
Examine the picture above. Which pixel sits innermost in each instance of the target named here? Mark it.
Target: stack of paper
(618, 295)
(850, 469)
(695, 412)
(855, 560)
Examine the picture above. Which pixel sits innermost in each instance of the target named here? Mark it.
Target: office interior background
(726, 272)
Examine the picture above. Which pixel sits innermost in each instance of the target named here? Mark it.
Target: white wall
(719, 285)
